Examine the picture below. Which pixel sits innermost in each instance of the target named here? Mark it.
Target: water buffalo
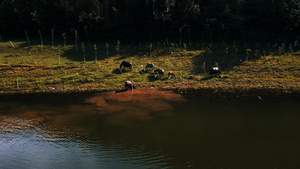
(159, 71)
(150, 65)
(171, 73)
(129, 85)
(215, 71)
(125, 64)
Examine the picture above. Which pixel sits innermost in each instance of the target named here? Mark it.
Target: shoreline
(190, 92)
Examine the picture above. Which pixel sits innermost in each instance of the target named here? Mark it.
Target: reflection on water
(55, 133)
(106, 109)
(148, 129)
(136, 105)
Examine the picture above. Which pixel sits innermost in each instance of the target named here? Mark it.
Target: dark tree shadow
(89, 53)
(78, 55)
(123, 57)
(9, 56)
(25, 44)
(218, 57)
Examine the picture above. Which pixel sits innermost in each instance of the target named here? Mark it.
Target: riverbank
(211, 93)
(64, 70)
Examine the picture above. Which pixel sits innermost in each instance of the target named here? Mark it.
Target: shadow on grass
(152, 78)
(74, 55)
(11, 56)
(211, 77)
(144, 71)
(89, 53)
(124, 56)
(225, 57)
(120, 71)
(24, 43)
(207, 78)
(218, 57)
(117, 71)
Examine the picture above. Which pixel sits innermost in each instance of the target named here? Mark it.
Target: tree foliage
(132, 16)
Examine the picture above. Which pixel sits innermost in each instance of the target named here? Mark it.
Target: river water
(147, 129)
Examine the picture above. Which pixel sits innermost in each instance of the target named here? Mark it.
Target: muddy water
(147, 129)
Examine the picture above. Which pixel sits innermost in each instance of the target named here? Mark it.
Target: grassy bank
(259, 68)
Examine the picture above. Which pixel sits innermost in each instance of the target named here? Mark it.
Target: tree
(272, 15)
(287, 13)
(8, 16)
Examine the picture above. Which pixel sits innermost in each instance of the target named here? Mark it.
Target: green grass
(28, 69)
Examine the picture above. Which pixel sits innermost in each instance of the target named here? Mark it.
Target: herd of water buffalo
(215, 71)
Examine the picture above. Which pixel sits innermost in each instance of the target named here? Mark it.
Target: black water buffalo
(126, 64)
(150, 65)
(129, 85)
(159, 71)
(171, 73)
(215, 71)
